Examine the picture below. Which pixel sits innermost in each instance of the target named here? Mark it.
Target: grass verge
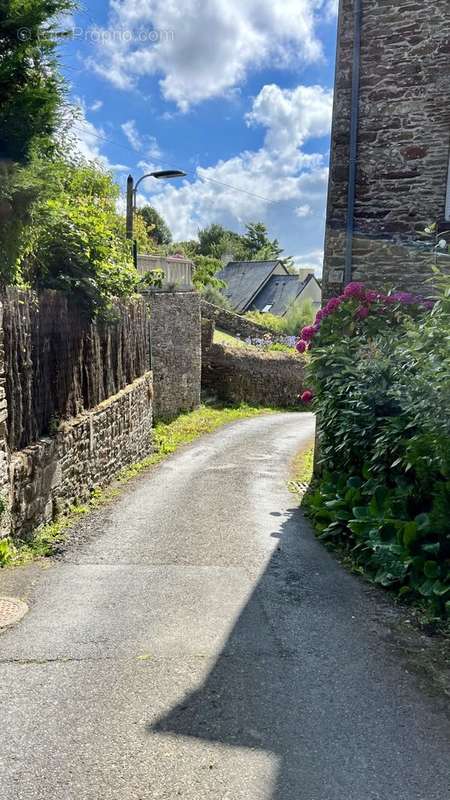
(220, 337)
(302, 470)
(168, 437)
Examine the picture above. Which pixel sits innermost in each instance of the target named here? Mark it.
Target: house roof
(280, 292)
(244, 279)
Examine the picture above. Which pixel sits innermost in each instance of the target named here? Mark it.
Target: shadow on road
(299, 678)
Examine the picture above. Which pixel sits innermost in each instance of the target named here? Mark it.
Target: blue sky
(235, 92)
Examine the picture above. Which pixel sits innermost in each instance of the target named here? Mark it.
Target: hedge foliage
(380, 376)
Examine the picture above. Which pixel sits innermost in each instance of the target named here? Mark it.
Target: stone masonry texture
(246, 375)
(4, 450)
(85, 453)
(176, 352)
(234, 324)
(403, 142)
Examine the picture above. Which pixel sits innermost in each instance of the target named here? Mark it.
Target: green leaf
(431, 569)
(426, 588)
(409, 533)
(440, 589)
(361, 512)
(432, 548)
(355, 482)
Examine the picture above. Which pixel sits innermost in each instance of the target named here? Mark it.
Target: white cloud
(312, 260)
(144, 144)
(303, 211)
(203, 50)
(89, 140)
(131, 132)
(96, 105)
(292, 116)
(279, 172)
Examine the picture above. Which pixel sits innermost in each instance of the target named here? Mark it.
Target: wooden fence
(58, 365)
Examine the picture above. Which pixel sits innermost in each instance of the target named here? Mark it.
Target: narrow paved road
(201, 644)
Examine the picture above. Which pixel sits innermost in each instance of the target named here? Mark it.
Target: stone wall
(4, 449)
(246, 375)
(231, 323)
(86, 452)
(176, 352)
(403, 141)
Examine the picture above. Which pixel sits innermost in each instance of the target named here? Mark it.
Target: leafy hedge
(379, 368)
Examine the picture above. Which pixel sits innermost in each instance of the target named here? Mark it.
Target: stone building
(389, 172)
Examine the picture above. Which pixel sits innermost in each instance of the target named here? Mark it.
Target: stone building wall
(246, 375)
(176, 352)
(87, 452)
(403, 141)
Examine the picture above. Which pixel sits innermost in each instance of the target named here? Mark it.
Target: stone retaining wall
(86, 452)
(246, 375)
(234, 324)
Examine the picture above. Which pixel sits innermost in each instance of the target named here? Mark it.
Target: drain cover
(11, 611)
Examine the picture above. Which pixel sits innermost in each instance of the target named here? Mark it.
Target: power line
(165, 164)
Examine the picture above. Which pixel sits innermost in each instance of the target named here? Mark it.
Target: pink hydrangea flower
(355, 290)
(301, 346)
(307, 396)
(308, 333)
(331, 306)
(362, 312)
(372, 296)
(319, 315)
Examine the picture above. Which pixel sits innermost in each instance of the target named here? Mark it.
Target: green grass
(302, 470)
(168, 437)
(225, 338)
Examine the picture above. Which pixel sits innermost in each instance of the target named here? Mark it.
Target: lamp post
(162, 174)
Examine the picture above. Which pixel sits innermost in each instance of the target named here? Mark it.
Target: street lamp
(162, 174)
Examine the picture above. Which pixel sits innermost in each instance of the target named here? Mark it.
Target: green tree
(205, 273)
(217, 241)
(74, 242)
(256, 242)
(31, 98)
(31, 87)
(157, 228)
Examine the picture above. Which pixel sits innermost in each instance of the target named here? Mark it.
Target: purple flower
(301, 346)
(362, 312)
(309, 332)
(355, 290)
(331, 306)
(319, 315)
(403, 297)
(307, 396)
(372, 296)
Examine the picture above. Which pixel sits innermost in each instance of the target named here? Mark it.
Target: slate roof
(244, 280)
(279, 293)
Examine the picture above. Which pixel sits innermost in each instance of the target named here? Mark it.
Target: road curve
(200, 643)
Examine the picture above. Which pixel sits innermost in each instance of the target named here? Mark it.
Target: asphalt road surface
(198, 642)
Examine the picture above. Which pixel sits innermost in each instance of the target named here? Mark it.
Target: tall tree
(31, 101)
(257, 243)
(157, 228)
(31, 87)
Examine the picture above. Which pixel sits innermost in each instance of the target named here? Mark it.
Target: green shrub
(7, 552)
(300, 314)
(74, 241)
(380, 373)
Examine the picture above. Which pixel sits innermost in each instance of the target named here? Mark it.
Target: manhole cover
(11, 611)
